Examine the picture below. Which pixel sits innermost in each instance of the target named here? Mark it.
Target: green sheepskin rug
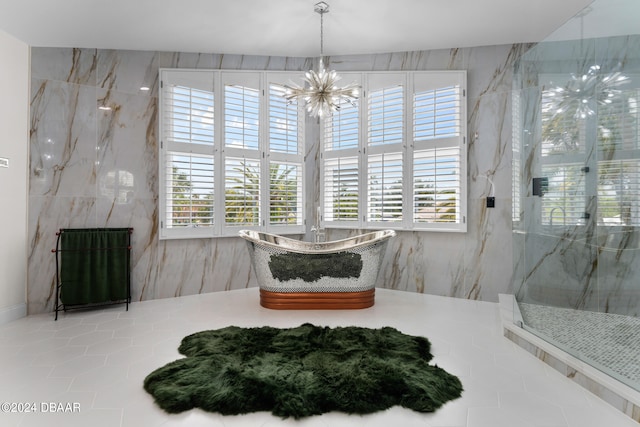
(302, 371)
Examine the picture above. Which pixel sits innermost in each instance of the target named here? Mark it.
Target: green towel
(94, 265)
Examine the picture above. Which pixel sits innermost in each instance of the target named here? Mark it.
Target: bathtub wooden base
(317, 300)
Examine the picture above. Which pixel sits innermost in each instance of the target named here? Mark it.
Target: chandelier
(321, 94)
(581, 91)
(577, 94)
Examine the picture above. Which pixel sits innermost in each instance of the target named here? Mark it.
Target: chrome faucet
(318, 233)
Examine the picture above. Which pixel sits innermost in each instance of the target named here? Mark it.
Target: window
(618, 190)
(398, 158)
(341, 165)
(618, 139)
(231, 154)
(188, 146)
(516, 166)
(590, 147)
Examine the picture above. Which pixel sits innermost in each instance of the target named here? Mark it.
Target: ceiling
(282, 27)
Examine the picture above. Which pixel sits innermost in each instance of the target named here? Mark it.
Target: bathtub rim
(288, 244)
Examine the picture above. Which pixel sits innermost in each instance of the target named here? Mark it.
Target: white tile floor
(98, 359)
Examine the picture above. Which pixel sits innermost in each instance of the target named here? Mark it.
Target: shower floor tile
(607, 341)
(99, 359)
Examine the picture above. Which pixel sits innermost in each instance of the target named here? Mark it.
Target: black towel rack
(93, 267)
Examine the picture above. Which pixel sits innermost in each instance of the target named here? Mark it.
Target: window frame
(220, 152)
(409, 80)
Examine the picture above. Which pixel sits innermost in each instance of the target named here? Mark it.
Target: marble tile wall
(96, 167)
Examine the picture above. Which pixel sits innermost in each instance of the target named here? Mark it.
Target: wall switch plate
(491, 202)
(4, 162)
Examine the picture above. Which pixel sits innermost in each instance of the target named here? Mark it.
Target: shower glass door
(576, 218)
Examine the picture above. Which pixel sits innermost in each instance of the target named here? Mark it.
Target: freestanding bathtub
(293, 274)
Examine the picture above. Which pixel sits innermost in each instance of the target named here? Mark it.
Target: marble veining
(98, 167)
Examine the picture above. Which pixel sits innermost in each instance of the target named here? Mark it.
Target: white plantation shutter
(618, 120)
(231, 154)
(241, 115)
(399, 159)
(242, 159)
(342, 128)
(619, 148)
(436, 113)
(283, 122)
(618, 192)
(285, 194)
(384, 187)
(385, 149)
(386, 115)
(436, 185)
(190, 199)
(187, 153)
(188, 115)
(439, 153)
(242, 192)
(341, 189)
(285, 159)
(516, 146)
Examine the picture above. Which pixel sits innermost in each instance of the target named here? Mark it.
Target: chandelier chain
(322, 12)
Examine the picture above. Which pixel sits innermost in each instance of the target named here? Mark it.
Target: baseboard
(9, 314)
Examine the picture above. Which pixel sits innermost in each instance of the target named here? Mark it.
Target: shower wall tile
(432, 263)
(618, 53)
(561, 271)
(187, 60)
(590, 273)
(65, 65)
(489, 145)
(92, 167)
(554, 58)
(488, 252)
(618, 270)
(233, 62)
(188, 267)
(139, 214)
(125, 170)
(127, 71)
(63, 132)
(489, 68)
(184, 266)
(47, 215)
(519, 263)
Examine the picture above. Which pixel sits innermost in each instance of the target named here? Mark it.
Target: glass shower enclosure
(576, 188)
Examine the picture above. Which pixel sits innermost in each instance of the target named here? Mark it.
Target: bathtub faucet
(318, 234)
